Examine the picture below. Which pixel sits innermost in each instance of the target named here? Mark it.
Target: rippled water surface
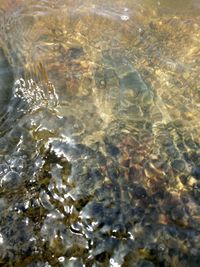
(99, 133)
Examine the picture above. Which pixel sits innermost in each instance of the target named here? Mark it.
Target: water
(99, 133)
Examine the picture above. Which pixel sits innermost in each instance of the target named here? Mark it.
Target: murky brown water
(99, 133)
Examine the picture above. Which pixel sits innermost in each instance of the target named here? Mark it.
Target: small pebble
(178, 165)
(11, 180)
(196, 172)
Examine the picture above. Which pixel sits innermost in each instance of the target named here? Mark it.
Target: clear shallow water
(99, 133)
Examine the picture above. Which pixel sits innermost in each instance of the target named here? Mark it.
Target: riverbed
(99, 133)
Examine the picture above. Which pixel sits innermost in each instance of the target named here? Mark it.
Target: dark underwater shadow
(6, 82)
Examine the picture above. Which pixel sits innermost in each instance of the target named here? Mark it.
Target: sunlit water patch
(99, 133)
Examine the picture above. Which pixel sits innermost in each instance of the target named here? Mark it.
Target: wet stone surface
(99, 136)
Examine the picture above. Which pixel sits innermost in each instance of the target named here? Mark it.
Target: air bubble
(124, 17)
(61, 259)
